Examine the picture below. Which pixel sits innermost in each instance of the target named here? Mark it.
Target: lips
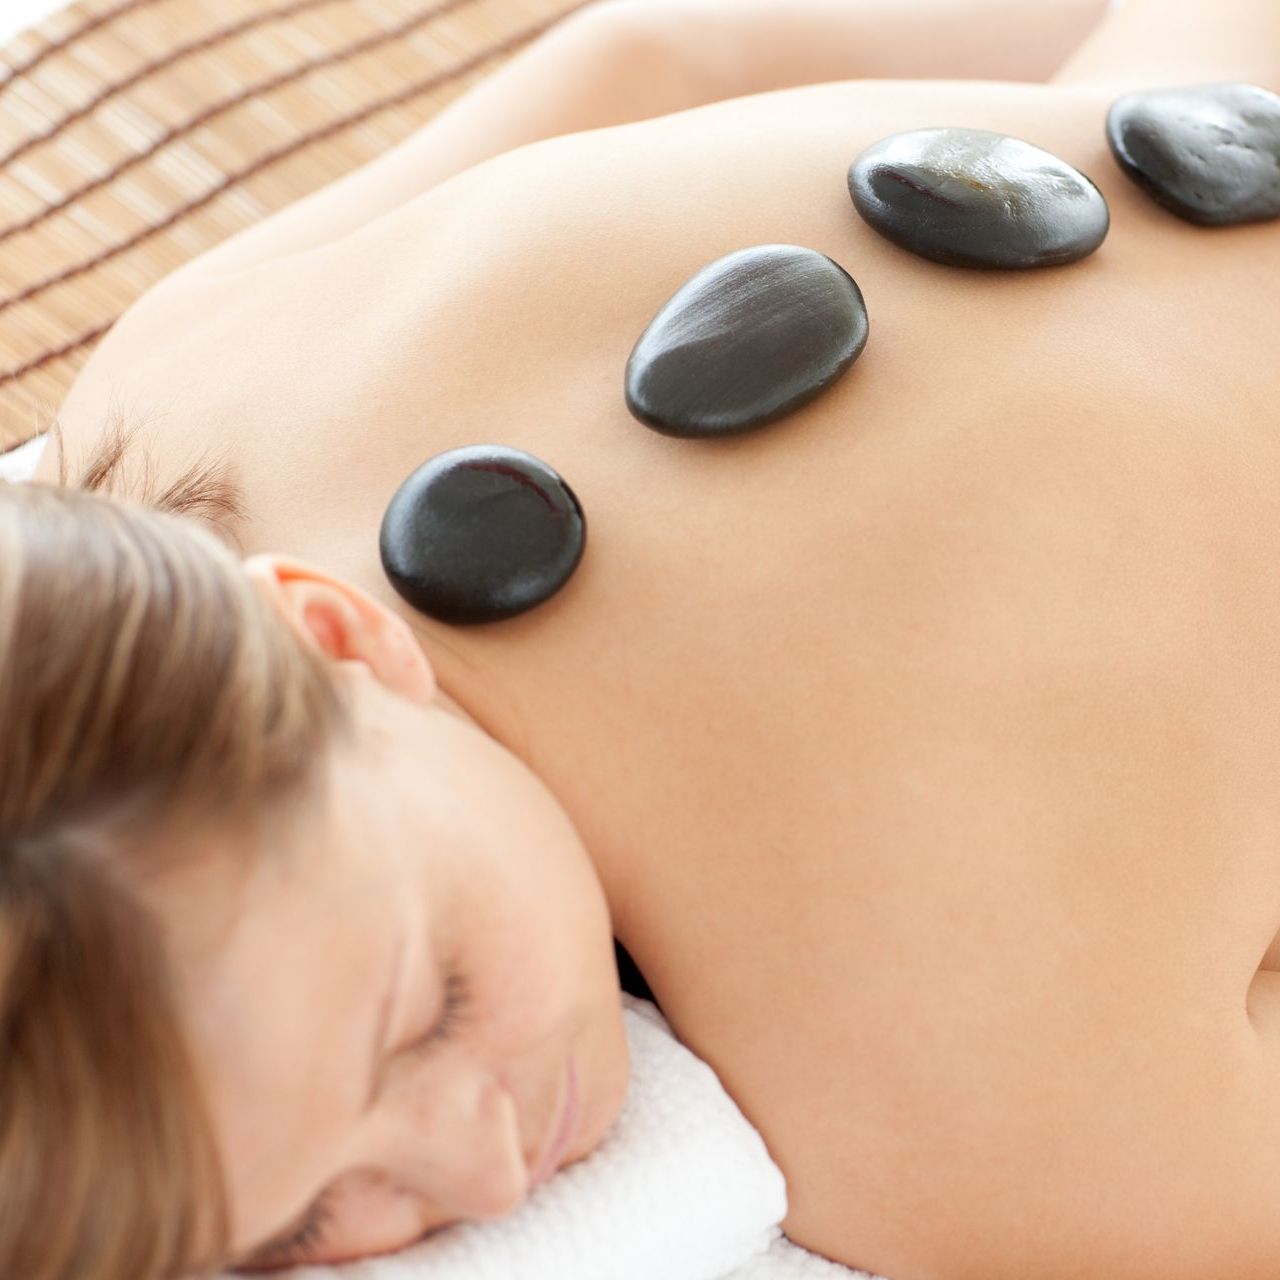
(563, 1132)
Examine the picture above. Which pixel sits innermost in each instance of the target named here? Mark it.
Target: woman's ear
(347, 625)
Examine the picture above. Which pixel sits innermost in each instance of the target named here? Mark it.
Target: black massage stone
(747, 339)
(1208, 153)
(481, 533)
(974, 198)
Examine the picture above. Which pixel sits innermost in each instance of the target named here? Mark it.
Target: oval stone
(481, 533)
(974, 198)
(1208, 153)
(748, 338)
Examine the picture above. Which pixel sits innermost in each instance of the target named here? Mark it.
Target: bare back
(926, 739)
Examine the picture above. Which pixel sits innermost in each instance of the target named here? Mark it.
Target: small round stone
(1208, 153)
(750, 337)
(481, 533)
(974, 198)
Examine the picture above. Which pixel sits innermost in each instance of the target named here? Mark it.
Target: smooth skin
(924, 745)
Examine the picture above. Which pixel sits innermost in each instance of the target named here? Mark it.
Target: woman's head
(237, 813)
(430, 865)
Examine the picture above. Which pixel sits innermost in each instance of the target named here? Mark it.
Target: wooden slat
(134, 135)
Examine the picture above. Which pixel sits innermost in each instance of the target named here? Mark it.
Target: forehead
(260, 924)
(279, 963)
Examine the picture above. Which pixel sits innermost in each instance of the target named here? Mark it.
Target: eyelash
(457, 996)
(312, 1229)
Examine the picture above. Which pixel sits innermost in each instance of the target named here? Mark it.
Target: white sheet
(19, 463)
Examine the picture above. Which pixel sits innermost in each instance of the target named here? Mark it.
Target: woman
(920, 748)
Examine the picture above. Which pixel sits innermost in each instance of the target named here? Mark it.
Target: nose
(462, 1149)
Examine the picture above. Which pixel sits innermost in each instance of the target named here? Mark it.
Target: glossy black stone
(747, 339)
(1208, 153)
(974, 198)
(481, 533)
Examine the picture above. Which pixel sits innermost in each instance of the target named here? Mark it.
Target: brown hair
(144, 685)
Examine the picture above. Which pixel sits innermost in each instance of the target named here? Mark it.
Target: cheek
(528, 990)
(537, 974)
(531, 924)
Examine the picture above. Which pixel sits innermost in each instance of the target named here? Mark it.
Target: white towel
(785, 1260)
(681, 1188)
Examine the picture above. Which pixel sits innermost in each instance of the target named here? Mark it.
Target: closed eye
(307, 1237)
(310, 1235)
(457, 999)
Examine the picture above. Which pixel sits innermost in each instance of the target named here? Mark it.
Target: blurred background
(16, 14)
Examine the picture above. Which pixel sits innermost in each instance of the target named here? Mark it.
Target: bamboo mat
(134, 135)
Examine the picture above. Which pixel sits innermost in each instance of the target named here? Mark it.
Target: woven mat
(135, 135)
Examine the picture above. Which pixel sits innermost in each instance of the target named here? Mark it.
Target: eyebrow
(261, 1253)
